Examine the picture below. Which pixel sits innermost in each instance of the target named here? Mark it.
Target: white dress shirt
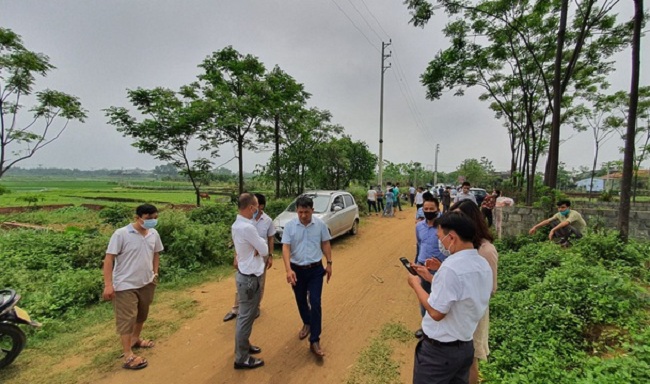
(247, 240)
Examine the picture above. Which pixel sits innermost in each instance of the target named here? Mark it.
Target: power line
(355, 25)
(377, 21)
(364, 20)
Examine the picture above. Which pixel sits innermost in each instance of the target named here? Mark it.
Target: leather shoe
(316, 350)
(304, 332)
(419, 334)
(251, 363)
(229, 316)
(253, 350)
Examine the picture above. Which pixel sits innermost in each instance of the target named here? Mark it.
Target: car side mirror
(336, 208)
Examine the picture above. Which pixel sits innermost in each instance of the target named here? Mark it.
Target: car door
(349, 213)
(337, 219)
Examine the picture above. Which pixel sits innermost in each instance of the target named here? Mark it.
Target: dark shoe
(229, 316)
(253, 350)
(315, 349)
(257, 314)
(419, 334)
(304, 332)
(251, 363)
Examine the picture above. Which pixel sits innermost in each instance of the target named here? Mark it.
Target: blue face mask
(565, 212)
(256, 214)
(149, 223)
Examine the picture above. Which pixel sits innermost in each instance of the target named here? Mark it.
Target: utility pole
(435, 171)
(381, 110)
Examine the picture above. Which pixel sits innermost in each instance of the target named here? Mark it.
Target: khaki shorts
(132, 306)
(481, 349)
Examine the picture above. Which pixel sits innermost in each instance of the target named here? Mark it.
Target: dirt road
(368, 289)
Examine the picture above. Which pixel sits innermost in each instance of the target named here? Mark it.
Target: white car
(337, 209)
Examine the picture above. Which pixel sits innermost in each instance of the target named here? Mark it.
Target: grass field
(94, 191)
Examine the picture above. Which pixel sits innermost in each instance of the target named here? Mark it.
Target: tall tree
(628, 156)
(21, 137)
(234, 84)
(508, 48)
(286, 98)
(173, 121)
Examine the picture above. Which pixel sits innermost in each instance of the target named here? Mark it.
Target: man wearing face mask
(460, 293)
(565, 223)
(429, 253)
(130, 278)
(251, 250)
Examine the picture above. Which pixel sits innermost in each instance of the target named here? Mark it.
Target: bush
(214, 213)
(117, 215)
(276, 206)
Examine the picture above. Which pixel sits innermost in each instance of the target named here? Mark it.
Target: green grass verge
(375, 364)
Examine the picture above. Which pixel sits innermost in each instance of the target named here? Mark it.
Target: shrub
(276, 206)
(214, 213)
(117, 215)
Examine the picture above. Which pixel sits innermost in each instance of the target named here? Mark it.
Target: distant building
(598, 185)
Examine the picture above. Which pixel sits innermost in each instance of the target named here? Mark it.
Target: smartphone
(407, 265)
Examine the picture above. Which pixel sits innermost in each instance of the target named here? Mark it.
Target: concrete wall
(518, 220)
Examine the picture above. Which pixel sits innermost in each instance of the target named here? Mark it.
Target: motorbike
(12, 338)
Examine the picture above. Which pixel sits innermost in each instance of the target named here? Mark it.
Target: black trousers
(488, 215)
(438, 364)
(565, 233)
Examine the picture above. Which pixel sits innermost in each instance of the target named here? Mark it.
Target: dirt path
(368, 289)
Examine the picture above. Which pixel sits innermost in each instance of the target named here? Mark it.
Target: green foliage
(214, 213)
(31, 200)
(117, 214)
(4, 190)
(191, 246)
(275, 207)
(560, 314)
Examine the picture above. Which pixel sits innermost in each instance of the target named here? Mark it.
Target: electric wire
(355, 26)
(364, 20)
(377, 21)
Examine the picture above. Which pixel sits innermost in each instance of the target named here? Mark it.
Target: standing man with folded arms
(251, 250)
(304, 242)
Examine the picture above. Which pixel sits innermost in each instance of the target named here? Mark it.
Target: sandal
(130, 363)
(143, 343)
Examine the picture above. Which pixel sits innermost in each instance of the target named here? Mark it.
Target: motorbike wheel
(12, 342)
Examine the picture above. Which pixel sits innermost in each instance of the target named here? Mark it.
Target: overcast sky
(102, 48)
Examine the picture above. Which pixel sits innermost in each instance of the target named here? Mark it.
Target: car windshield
(321, 203)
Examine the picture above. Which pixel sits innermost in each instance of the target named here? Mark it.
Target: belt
(308, 266)
(243, 274)
(455, 343)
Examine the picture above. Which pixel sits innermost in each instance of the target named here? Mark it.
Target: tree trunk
(277, 156)
(593, 171)
(240, 160)
(550, 177)
(628, 157)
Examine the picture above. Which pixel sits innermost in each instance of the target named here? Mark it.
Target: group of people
(386, 203)
(133, 258)
(456, 266)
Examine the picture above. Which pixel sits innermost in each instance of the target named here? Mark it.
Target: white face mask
(442, 248)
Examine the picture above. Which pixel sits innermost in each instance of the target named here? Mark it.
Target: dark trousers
(371, 205)
(438, 364)
(565, 233)
(427, 287)
(488, 215)
(397, 203)
(445, 207)
(380, 204)
(412, 198)
(308, 289)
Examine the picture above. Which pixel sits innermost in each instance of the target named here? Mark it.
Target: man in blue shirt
(304, 242)
(429, 254)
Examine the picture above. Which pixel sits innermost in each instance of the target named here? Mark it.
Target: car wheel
(355, 228)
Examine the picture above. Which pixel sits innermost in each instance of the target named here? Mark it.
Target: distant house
(598, 186)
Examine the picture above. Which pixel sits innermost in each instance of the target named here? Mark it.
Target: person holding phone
(426, 235)
(460, 293)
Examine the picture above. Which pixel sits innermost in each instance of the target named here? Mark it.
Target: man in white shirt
(130, 278)
(460, 293)
(372, 200)
(250, 249)
(465, 193)
(266, 230)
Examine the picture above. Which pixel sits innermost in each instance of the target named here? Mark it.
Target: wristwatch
(329, 262)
